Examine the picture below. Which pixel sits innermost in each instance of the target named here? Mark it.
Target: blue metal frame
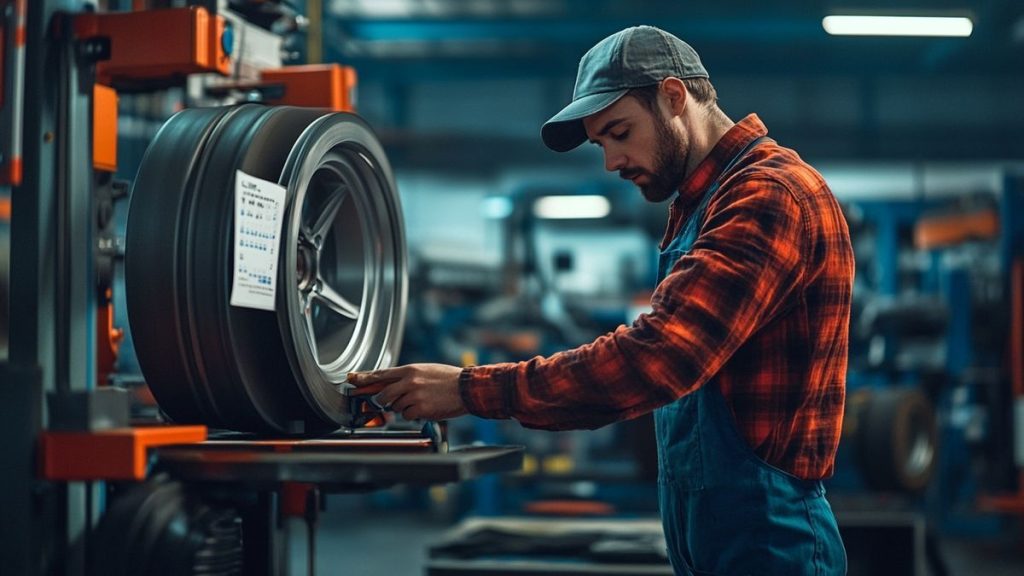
(949, 500)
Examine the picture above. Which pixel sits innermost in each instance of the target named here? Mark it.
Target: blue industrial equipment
(932, 319)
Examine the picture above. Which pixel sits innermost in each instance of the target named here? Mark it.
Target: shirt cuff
(487, 391)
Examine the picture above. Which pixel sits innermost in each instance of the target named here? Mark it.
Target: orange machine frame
(156, 44)
(116, 454)
(938, 231)
(104, 128)
(328, 86)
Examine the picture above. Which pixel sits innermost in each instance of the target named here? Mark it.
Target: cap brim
(564, 131)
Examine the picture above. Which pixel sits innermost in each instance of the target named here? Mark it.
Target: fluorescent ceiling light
(435, 9)
(571, 207)
(373, 8)
(898, 25)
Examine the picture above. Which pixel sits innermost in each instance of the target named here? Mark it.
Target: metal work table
(270, 479)
(335, 468)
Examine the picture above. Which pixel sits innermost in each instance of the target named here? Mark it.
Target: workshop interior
(212, 210)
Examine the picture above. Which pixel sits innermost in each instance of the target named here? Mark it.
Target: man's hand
(417, 391)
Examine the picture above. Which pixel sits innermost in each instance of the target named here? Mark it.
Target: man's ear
(674, 92)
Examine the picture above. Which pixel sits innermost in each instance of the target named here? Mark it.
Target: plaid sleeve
(744, 268)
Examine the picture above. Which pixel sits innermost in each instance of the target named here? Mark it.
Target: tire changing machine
(83, 490)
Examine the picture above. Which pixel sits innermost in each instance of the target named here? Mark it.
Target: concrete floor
(357, 537)
(970, 557)
(354, 539)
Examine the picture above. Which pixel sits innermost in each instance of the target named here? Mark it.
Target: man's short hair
(700, 89)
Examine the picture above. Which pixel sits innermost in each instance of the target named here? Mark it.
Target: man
(743, 357)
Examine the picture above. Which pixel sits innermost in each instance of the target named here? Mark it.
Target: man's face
(642, 146)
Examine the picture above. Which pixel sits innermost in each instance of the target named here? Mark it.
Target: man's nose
(613, 161)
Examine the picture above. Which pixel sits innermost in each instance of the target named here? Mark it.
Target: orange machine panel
(938, 231)
(117, 454)
(11, 172)
(315, 85)
(108, 338)
(218, 45)
(156, 44)
(104, 128)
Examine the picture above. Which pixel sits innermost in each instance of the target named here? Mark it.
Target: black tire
(238, 368)
(240, 350)
(160, 528)
(153, 235)
(897, 440)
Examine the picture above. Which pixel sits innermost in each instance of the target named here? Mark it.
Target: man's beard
(670, 163)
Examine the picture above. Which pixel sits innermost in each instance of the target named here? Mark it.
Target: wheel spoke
(307, 313)
(316, 233)
(335, 301)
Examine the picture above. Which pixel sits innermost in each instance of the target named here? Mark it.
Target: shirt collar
(710, 168)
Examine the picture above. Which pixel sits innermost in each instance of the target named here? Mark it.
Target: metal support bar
(262, 553)
(12, 93)
(76, 249)
(31, 538)
(51, 272)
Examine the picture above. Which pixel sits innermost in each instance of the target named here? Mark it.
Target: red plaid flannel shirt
(760, 307)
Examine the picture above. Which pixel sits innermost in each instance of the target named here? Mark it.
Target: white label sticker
(259, 210)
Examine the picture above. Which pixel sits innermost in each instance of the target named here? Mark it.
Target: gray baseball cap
(631, 58)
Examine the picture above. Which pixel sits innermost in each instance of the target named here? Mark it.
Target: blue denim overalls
(726, 511)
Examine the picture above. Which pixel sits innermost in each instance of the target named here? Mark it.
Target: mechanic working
(743, 357)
